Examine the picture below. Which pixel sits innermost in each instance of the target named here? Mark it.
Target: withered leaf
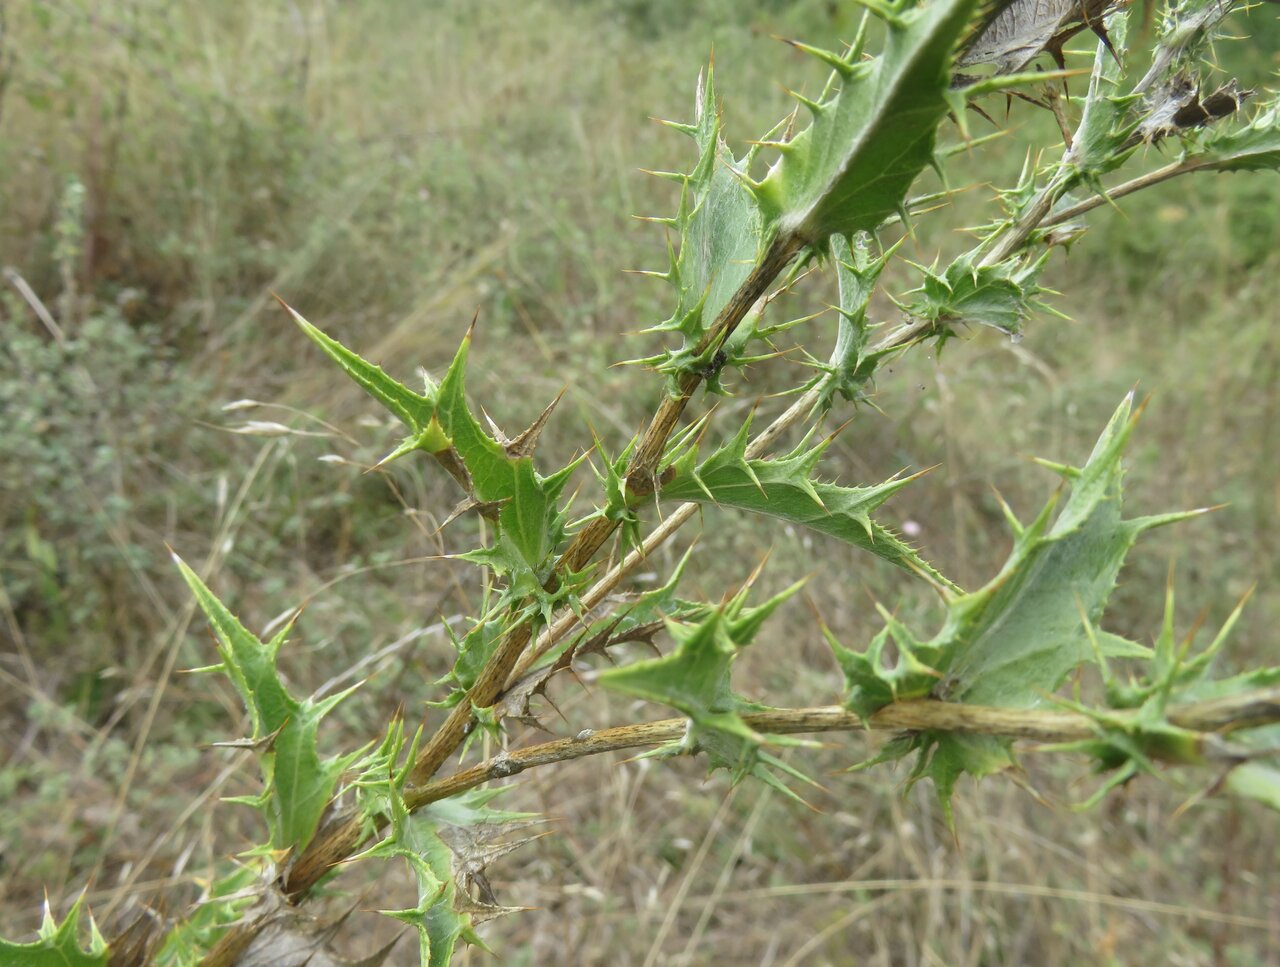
(1027, 28)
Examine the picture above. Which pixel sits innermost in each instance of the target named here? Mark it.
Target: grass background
(391, 167)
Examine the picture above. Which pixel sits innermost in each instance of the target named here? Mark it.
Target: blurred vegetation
(390, 167)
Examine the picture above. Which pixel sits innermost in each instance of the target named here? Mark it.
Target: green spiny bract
(695, 679)
(966, 292)
(1016, 639)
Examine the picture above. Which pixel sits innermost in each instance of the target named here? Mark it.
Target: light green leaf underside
(720, 231)
(1014, 641)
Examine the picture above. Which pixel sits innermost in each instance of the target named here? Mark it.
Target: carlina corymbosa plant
(824, 198)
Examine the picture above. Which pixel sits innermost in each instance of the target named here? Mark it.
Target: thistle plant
(826, 197)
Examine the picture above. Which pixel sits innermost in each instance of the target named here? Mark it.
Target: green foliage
(828, 198)
(1255, 780)
(721, 232)
(1015, 640)
(223, 902)
(1127, 745)
(58, 944)
(869, 140)
(785, 488)
(447, 846)
(1103, 140)
(1000, 296)
(1250, 147)
(694, 679)
(497, 473)
(298, 783)
(850, 367)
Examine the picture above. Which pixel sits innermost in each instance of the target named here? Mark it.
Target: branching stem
(759, 446)
(640, 483)
(513, 656)
(1171, 170)
(1211, 718)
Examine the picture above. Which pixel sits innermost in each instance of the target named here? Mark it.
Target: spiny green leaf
(1108, 122)
(499, 473)
(298, 783)
(1015, 640)
(530, 521)
(1000, 296)
(221, 904)
(438, 924)
(851, 168)
(695, 679)
(1018, 637)
(613, 480)
(1251, 147)
(446, 865)
(871, 682)
(720, 235)
(474, 650)
(784, 488)
(57, 944)
(945, 756)
(850, 367)
(415, 410)
(1126, 745)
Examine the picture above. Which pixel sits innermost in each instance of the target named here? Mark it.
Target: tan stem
(652, 445)
(1017, 234)
(596, 594)
(1119, 191)
(1247, 710)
